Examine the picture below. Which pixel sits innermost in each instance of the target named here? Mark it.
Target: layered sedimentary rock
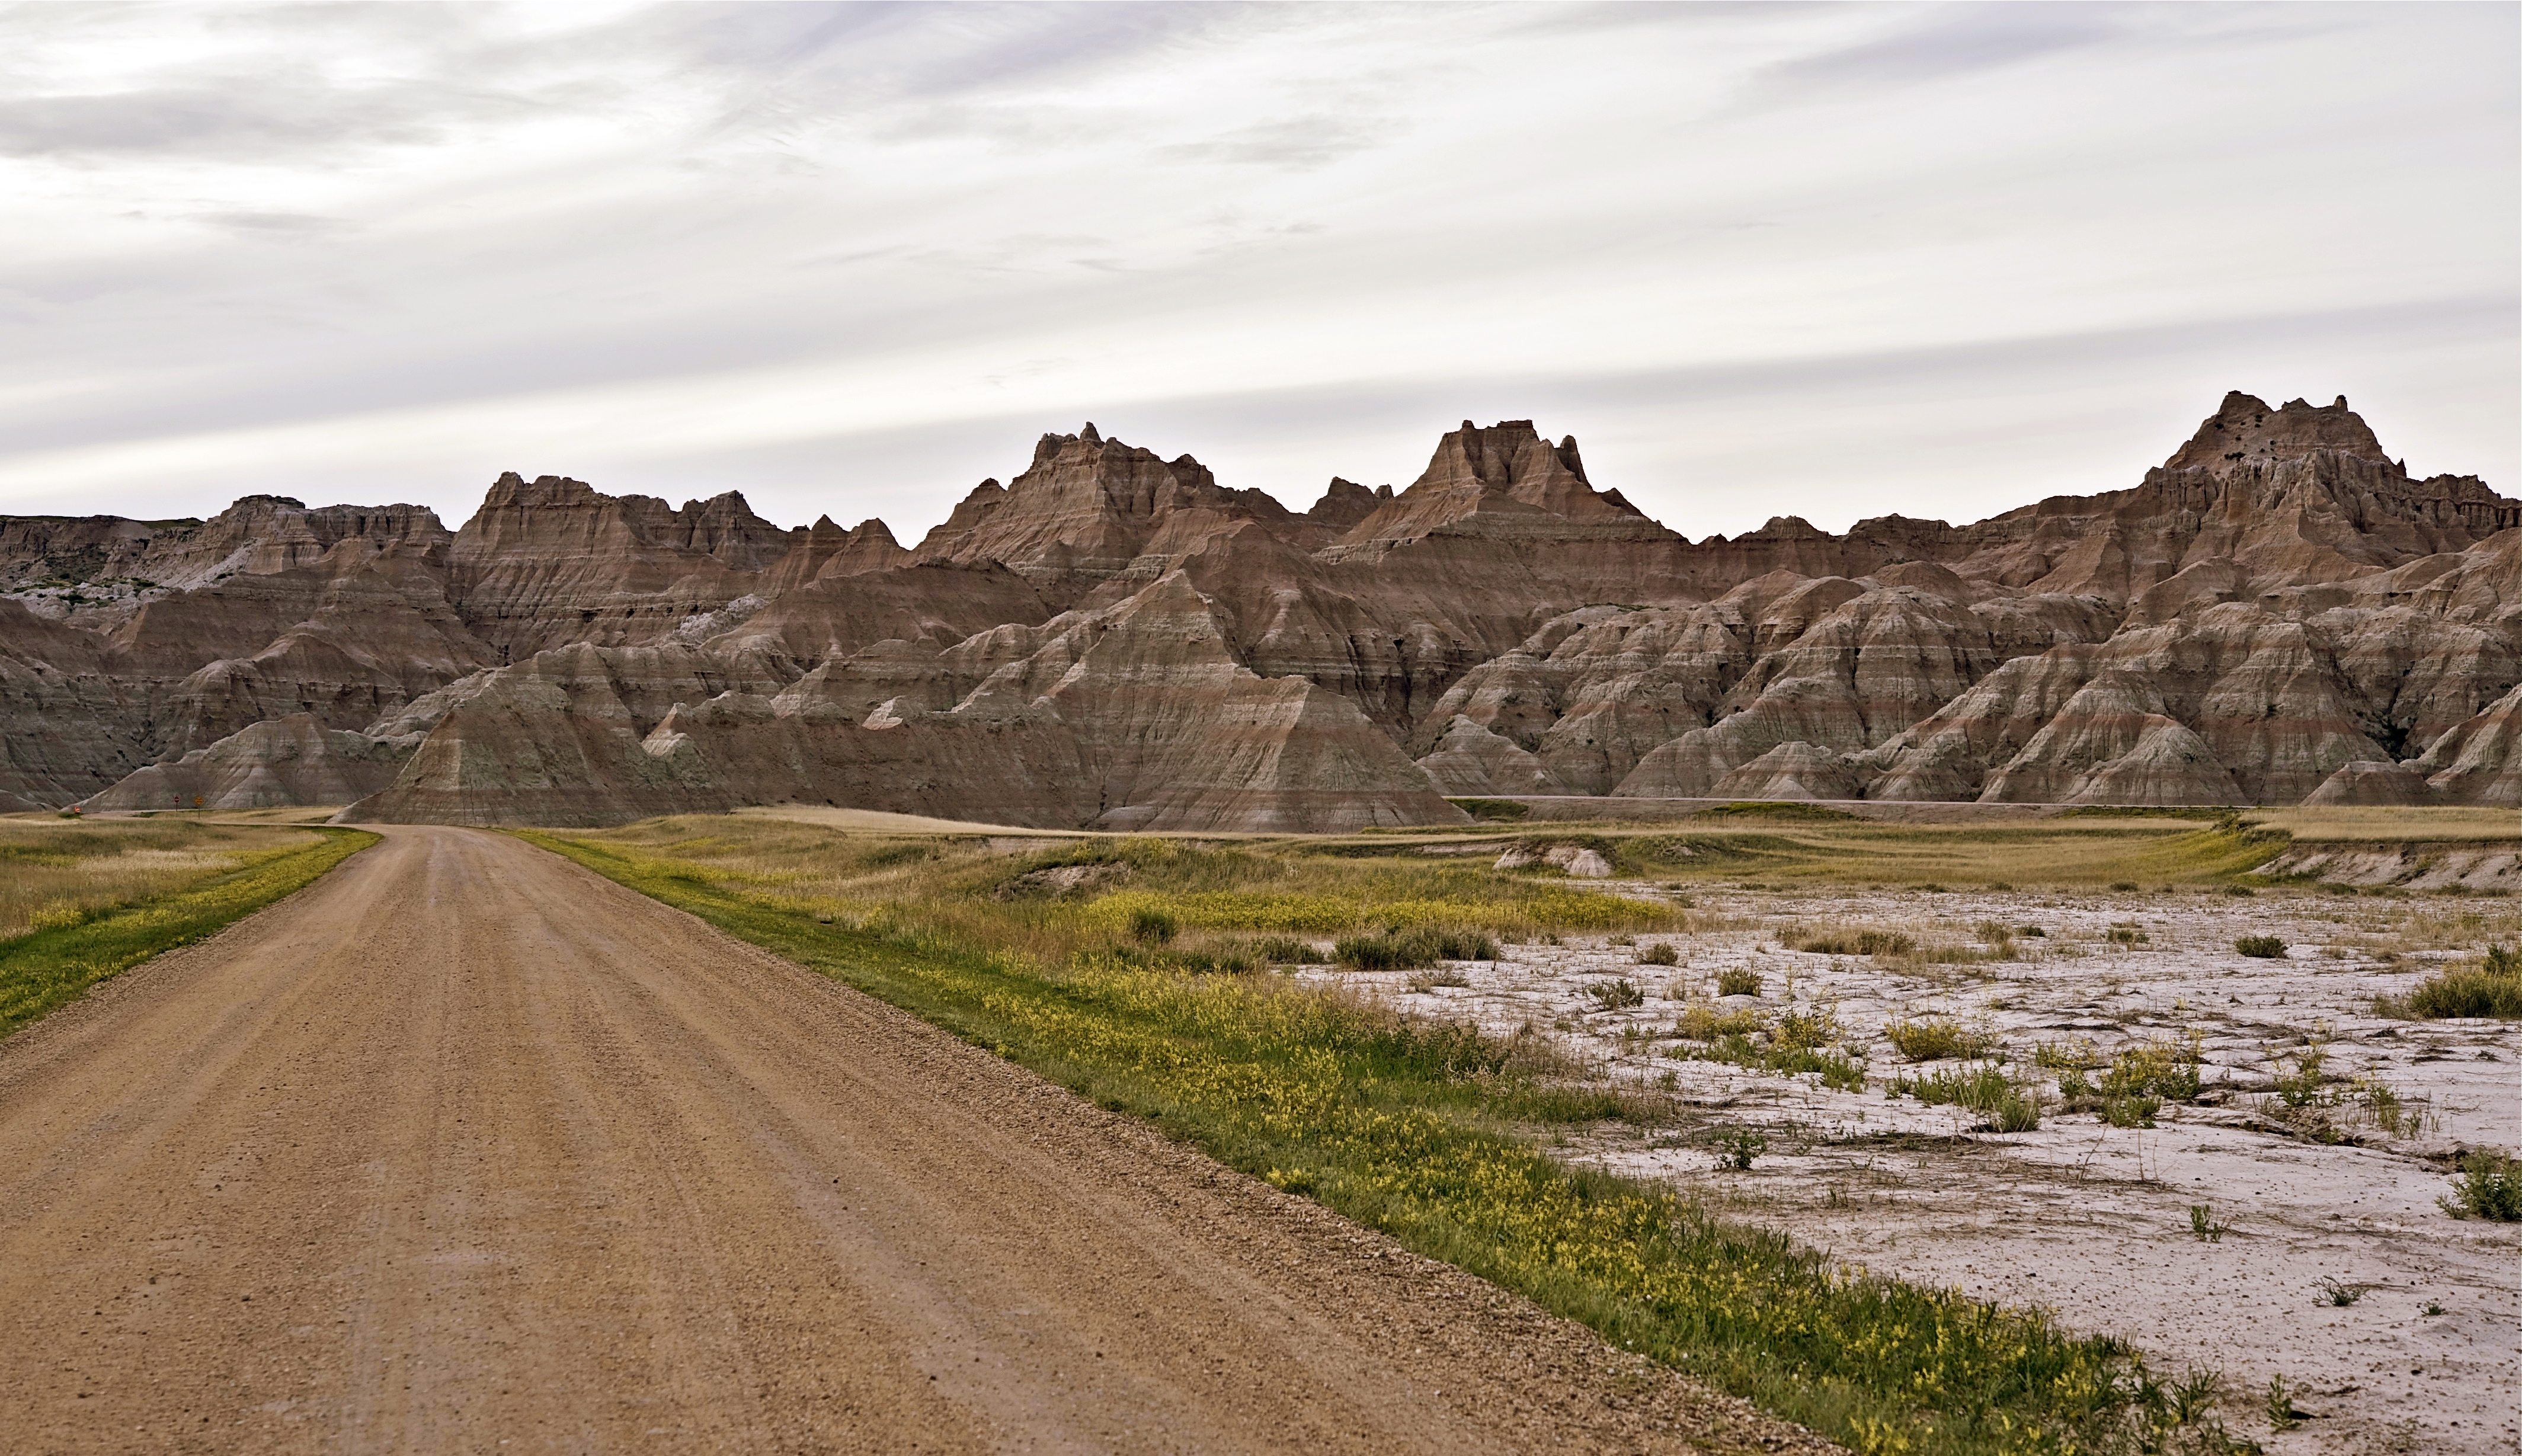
(285, 761)
(1114, 638)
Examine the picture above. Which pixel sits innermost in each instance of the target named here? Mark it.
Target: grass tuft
(2260, 947)
(1411, 948)
(2491, 989)
(2490, 1186)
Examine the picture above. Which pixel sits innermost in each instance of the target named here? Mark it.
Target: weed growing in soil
(2341, 1295)
(2010, 1109)
(1738, 980)
(2281, 1411)
(2205, 1227)
(2490, 1186)
(1738, 1145)
(2131, 1111)
(1617, 996)
(2260, 947)
(1936, 1039)
(1661, 953)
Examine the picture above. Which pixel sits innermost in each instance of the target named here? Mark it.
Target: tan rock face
(2279, 611)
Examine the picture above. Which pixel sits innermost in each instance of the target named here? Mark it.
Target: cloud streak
(854, 257)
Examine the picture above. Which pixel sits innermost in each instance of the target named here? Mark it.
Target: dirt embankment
(463, 1149)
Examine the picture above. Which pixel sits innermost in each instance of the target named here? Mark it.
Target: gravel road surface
(464, 1148)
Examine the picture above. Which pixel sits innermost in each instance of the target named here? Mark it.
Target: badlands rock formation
(1112, 638)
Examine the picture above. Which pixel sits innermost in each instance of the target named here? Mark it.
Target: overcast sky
(1833, 261)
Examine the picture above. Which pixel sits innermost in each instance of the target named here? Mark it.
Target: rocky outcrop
(1133, 717)
(286, 761)
(2279, 611)
(2480, 762)
(554, 561)
(2373, 783)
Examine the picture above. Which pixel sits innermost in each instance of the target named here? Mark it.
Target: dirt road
(465, 1149)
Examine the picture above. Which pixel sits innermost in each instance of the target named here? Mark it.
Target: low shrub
(1661, 953)
(1936, 1039)
(1617, 996)
(1150, 925)
(2490, 1186)
(2260, 947)
(1740, 980)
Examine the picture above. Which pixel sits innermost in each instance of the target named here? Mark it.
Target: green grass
(1413, 948)
(1988, 1090)
(41, 970)
(2492, 989)
(2490, 1188)
(1423, 1130)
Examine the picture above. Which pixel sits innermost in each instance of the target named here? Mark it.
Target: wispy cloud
(854, 256)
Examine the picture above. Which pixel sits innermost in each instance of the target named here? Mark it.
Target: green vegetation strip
(1421, 1130)
(41, 970)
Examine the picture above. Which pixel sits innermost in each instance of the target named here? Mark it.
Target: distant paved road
(464, 1148)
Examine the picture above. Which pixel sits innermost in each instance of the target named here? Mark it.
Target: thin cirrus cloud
(1819, 260)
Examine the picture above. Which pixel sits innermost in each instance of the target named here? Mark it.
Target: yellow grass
(2386, 825)
(56, 872)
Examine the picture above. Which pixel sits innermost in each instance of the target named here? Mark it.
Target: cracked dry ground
(464, 1148)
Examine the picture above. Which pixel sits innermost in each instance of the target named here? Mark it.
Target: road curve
(465, 1149)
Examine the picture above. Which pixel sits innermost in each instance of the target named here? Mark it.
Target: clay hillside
(2278, 611)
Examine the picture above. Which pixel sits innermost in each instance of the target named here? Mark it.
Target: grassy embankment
(80, 902)
(1083, 962)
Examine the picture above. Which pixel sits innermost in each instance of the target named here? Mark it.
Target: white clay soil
(2335, 1197)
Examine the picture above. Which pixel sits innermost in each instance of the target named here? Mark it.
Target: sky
(1826, 261)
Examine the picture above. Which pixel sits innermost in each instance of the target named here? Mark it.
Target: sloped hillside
(2278, 611)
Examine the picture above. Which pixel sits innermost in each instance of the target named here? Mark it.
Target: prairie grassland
(56, 871)
(106, 895)
(1084, 962)
(2318, 823)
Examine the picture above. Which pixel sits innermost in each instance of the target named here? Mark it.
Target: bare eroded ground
(2089, 1219)
(464, 1148)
